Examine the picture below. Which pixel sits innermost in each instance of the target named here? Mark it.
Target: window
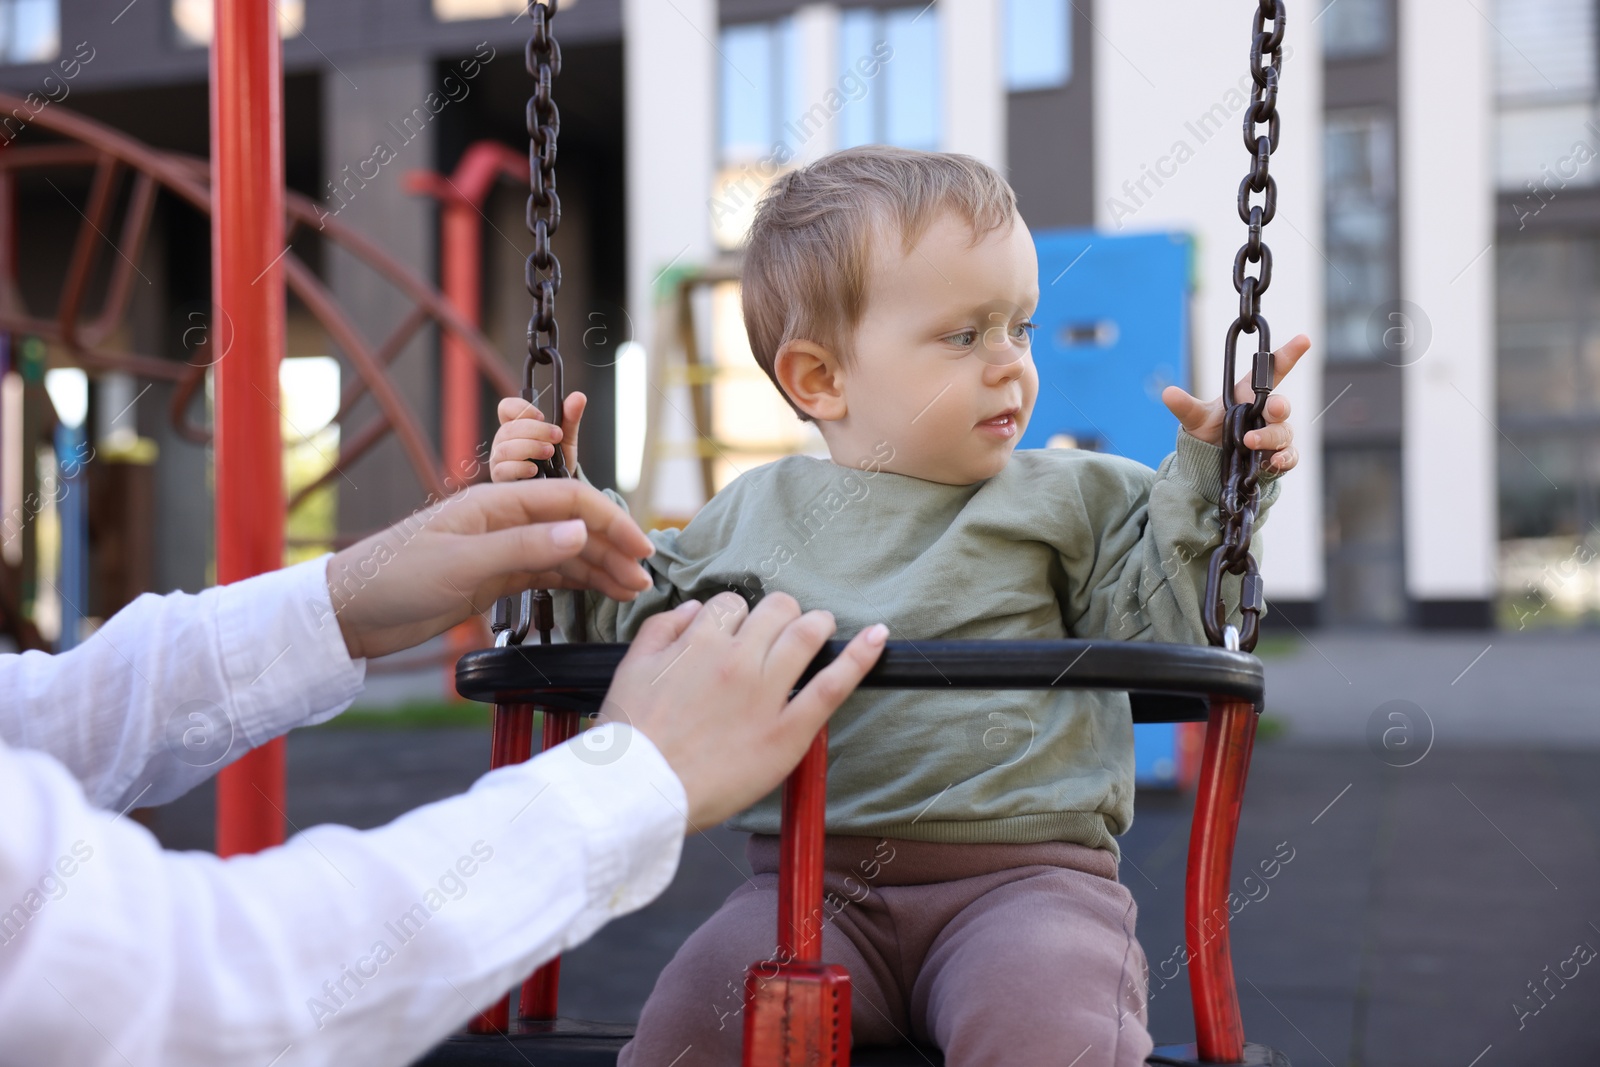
(193, 20)
(859, 123)
(759, 87)
(1548, 398)
(761, 124)
(1361, 536)
(1544, 48)
(1353, 29)
(1038, 44)
(1541, 150)
(30, 30)
(904, 107)
(1358, 161)
(886, 92)
(1545, 78)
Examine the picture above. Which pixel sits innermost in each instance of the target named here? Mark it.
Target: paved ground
(1515, 688)
(1431, 889)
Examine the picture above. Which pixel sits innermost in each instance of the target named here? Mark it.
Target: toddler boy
(972, 859)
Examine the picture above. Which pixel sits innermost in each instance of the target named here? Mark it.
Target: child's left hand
(1204, 420)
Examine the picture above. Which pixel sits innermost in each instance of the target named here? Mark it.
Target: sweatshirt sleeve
(1139, 572)
(607, 620)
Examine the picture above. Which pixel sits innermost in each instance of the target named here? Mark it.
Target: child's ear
(810, 374)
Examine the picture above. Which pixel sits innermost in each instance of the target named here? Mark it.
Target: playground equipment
(90, 338)
(801, 1015)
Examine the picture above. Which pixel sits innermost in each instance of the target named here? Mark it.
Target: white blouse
(338, 947)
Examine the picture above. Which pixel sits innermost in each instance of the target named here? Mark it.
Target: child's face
(942, 369)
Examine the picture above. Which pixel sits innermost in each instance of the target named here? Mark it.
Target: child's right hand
(524, 436)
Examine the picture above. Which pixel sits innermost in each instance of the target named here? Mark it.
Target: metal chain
(542, 275)
(1241, 466)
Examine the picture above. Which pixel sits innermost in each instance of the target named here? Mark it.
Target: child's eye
(1023, 331)
(964, 339)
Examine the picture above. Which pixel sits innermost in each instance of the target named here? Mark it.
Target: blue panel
(1113, 331)
(1155, 754)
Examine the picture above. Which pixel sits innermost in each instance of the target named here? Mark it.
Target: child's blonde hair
(806, 264)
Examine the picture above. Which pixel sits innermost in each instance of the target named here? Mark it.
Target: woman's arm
(173, 688)
(339, 947)
(368, 947)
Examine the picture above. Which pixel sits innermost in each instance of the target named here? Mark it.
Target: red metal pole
(248, 322)
(461, 197)
(460, 263)
(540, 993)
(1230, 735)
(800, 857)
(796, 1008)
(510, 741)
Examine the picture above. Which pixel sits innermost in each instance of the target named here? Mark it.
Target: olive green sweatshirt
(1060, 543)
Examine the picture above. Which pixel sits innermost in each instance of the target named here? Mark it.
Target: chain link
(534, 610)
(1241, 466)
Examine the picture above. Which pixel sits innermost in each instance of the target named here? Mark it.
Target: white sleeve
(173, 688)
(339, 947)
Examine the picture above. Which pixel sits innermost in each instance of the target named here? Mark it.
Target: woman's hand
(454, 559)
(710, 687)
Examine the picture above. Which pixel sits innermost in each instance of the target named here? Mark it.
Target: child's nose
(1004, 364)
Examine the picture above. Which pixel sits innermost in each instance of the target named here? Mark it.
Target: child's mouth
(1001, 425)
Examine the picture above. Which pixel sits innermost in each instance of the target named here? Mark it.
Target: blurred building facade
(1437, 235)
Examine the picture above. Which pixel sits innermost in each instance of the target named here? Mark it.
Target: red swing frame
(797, 1008)
(803, 1009)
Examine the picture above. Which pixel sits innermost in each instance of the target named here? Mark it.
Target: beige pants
(1014, 955)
